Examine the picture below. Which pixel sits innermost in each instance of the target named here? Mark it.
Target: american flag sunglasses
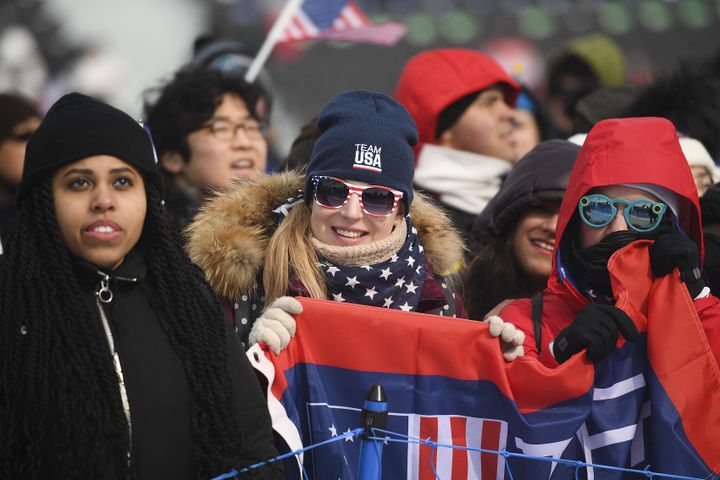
(375, 200)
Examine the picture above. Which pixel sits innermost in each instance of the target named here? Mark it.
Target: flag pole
(285, 15)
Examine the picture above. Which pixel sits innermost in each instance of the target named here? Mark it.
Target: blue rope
(401, 438)
(504, 453)
(234, 473)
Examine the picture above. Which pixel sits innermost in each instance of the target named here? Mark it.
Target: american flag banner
(340, 20)
(650, 404)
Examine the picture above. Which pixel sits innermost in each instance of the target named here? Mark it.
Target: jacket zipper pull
(104, 294)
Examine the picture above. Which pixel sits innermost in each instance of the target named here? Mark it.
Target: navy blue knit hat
(77, 127)
(366, 137)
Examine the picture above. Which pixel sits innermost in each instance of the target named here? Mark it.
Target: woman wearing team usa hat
(352, 230)
(115, 359)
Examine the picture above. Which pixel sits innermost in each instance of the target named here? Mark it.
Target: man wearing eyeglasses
(629, 221)
(19, 118)
(208, 135)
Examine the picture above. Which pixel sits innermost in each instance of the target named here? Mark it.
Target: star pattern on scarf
(394, 283)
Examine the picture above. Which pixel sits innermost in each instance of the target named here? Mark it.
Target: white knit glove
(276, 326)
(511, 339)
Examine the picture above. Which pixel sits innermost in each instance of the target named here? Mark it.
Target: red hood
(632, 150)
(433, 80)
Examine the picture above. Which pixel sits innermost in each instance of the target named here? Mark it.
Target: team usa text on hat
(367, 157)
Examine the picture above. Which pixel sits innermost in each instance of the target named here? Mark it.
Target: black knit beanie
(77, 127)
(366, 137)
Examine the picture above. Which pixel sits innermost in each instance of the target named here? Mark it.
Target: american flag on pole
(339, 20)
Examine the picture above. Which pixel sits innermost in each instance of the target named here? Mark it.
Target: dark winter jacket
(155, 379)
(229, 237)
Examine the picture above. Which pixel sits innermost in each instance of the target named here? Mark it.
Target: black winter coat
(157, 386)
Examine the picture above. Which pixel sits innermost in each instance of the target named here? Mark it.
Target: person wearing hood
(462, 102)
(356, 231)
(515, 233)
(115, 359)
(622, 188)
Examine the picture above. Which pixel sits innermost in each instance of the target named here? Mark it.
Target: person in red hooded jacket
(630, 182)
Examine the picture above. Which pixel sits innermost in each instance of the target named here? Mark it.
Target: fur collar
(229, 235)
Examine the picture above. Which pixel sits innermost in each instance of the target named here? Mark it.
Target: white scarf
(464, 180)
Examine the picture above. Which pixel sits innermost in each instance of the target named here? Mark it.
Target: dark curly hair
(187, 101)
(58, 387)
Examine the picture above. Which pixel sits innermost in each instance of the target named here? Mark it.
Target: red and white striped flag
(338, 20)
(451, 463)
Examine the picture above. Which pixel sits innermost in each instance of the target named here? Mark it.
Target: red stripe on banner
(428, 455)
(458, 427)
(490, 440)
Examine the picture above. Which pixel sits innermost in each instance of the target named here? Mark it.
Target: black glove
(672, 250)
(596, 329)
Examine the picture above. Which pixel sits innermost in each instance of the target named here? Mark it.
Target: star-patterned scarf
(395, 282)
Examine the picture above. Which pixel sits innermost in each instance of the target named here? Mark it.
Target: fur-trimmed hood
(230, 234)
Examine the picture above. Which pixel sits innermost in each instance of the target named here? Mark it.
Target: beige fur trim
(229, 236)
(444, 247)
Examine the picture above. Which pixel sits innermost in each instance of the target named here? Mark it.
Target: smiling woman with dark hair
(515, 234)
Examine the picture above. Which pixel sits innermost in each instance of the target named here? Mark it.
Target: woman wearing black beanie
(115, 360)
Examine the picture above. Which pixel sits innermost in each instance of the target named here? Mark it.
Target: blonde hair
(290, 251)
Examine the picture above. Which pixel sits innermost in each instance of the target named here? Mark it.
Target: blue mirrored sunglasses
(641, 215)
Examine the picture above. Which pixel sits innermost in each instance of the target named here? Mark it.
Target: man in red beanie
(462, 102)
